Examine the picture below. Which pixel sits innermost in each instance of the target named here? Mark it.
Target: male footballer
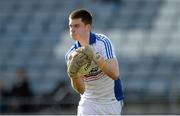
(100, 89)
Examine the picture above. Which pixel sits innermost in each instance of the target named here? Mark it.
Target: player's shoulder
(102, 38)
(71, 49)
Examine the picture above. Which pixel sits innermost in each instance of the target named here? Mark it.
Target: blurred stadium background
(145, 33)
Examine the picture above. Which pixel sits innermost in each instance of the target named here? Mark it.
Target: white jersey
(98, 86)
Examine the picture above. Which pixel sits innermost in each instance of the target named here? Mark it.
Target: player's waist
(99, 101)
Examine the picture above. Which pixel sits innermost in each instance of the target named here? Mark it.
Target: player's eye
(76, 26)
(70, 26)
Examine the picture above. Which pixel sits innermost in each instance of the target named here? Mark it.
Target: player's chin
(73, 36)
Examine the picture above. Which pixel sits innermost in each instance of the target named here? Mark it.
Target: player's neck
(85, 40)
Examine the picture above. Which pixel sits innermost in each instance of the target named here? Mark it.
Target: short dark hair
(85, 16)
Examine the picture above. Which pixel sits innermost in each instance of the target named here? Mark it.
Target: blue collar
(92, 40)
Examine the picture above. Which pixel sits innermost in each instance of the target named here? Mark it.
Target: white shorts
(87, 107)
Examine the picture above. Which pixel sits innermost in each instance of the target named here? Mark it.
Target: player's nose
(72, 30)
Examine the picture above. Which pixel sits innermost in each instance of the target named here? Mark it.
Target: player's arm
(73, 65)
(109, 67)
(78, 84)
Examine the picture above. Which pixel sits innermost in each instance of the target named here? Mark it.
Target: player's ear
(89, 27)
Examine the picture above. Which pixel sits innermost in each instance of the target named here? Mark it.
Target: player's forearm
(78, 85)
(109, 67)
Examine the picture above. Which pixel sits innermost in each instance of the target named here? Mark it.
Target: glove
(90, 52)
(76, 61)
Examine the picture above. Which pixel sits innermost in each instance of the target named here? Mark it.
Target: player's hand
(75, 63)
(72, 69)
(87, 50)
(90, 52)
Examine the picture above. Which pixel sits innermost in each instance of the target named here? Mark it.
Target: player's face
(78, 30)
